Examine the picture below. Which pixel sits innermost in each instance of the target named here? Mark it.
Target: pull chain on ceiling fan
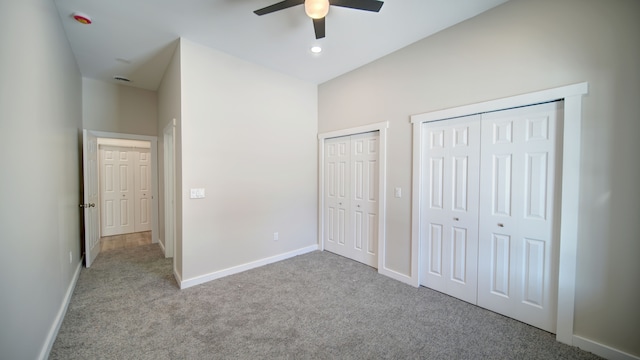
(317, 9)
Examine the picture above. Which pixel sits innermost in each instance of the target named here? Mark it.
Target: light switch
(398, 192)
(197, 193)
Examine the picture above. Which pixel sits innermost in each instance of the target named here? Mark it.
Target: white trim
(240, 268)
(572, 94)
(504, 103)
(161, 245)
(604, 351)
(381, 127)
(55, 327)
(154, 171)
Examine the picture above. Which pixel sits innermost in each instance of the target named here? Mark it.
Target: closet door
(142, 178)
(351, 191)
(336, 201)
(449, 206)
(364, 197)
(517, 256)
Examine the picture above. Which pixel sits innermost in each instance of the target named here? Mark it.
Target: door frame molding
(570, 187)
(169, 176)
(154, 171)
(381, 127)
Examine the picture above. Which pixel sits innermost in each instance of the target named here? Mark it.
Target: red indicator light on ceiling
(82, 18)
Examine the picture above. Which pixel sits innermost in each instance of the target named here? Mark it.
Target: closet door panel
(336, 194)
(449, 207)
(517, 254)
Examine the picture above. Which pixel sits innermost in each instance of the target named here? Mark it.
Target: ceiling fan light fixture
(316, 9)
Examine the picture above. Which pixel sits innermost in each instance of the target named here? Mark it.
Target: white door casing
(351, 170)
(169, 188)
(90, 184)
(449, 206)
(517, 268)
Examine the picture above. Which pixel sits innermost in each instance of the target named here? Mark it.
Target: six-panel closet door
(350, 201)
(487, 211)
(449, 206)
(517, 267)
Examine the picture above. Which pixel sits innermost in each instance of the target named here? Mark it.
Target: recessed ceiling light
(316, 49)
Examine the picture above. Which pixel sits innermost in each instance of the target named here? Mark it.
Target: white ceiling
(136, 38)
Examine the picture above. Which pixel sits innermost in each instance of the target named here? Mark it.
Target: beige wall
(520, 47)
(249, 139)
(119, 108)
(40, 116)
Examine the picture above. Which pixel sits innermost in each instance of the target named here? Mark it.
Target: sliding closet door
(351, 197)
(449, 206)
(517, 256)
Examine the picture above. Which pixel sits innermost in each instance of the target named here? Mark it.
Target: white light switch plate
(197, 193)
(398, 192)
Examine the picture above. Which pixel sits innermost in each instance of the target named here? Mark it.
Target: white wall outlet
(275, 236)
(197, 193)
(397, 192)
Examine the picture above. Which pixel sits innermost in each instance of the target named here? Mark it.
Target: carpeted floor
(313, 306)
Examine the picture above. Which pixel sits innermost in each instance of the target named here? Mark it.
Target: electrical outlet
(275, 236)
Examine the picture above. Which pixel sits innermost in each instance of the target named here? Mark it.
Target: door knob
(500, 225)
(456, 219)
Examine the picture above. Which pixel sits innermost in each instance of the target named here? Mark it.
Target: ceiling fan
(318, 9)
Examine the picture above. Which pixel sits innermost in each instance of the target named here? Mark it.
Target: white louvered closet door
(518, 255)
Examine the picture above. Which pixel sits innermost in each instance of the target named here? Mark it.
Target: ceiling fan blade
(278, 6)
(318, 26)
(367, 5)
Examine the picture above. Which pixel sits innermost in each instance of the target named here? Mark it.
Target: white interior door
(351, 197)
(90, 183)
(337, 177)
(449, 206)
(517, 255)
(117, 190)
(142, 179)
(364, 198)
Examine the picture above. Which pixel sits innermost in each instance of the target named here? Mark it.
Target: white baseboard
(55, 327)
(240, 268)
(162, 247)
(397, 276)
(604, 351)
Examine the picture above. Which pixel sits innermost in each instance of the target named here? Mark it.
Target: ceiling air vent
(121, 78)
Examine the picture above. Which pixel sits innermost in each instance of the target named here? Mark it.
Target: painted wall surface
(119, 108)
(169, 108)
(519, 47)
(249, 138)
(40, 116)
